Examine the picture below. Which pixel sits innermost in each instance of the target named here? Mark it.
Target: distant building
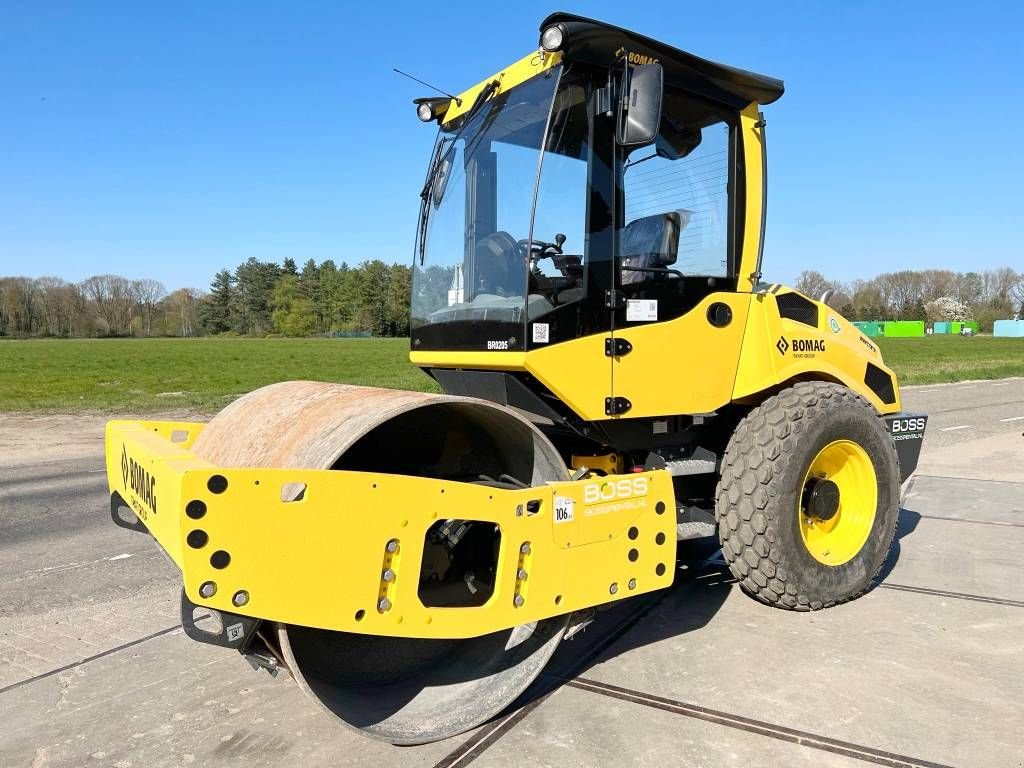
(457, 291)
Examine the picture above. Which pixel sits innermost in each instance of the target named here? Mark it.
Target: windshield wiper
(434, 163)
(485, 93)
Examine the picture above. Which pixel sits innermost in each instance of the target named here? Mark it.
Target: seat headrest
(655, 236)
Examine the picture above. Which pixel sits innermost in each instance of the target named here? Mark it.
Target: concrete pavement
(927, 670)
(975, 428)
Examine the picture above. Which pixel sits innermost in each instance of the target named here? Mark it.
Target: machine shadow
(905, 525)
(700, 590)
(702, 584)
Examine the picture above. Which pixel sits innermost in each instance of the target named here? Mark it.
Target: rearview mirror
(441, 175)
(640, 106)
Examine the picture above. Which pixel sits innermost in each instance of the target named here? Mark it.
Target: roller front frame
(346, 554)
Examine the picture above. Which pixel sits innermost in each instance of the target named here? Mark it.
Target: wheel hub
(821, 498)
(838, 502)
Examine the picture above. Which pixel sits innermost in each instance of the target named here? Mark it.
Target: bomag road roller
(617, 376)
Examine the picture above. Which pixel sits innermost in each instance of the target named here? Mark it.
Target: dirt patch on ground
(26, 437)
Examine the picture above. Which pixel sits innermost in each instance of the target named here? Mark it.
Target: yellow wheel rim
(839, 533)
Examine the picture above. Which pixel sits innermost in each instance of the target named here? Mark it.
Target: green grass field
(140, 375)
(938, 359)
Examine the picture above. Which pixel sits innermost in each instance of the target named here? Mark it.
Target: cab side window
(676, 199)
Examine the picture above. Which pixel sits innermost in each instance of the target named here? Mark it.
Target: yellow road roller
(617, 376)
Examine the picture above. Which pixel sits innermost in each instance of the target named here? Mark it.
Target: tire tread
(757, 452)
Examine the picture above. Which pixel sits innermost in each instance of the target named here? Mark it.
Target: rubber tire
(759, 491)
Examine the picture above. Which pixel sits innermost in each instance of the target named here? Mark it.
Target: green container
(869, 327)
(941, 327)
(973, 325)
(903, 328)
(955, 328)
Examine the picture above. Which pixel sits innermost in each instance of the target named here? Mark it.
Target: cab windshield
(485, 264)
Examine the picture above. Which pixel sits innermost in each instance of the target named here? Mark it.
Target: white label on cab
(641, 310)
(540, 333)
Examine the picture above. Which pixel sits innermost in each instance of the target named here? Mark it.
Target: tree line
(256, 298)
(930, 294)
(103, 305)
(259, 298)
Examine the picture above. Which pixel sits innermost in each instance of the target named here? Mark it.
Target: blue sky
(170, 140)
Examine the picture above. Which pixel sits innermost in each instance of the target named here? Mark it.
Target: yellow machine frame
(712, 367)
(321, 560)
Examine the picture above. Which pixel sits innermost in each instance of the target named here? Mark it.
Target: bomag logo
(613, 490)
(635, 58)
(808, 345)
(799, 346)
(138, 480)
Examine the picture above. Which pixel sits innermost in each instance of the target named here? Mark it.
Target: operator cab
(597, 183)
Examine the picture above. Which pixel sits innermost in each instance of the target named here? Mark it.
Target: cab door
(677, 326)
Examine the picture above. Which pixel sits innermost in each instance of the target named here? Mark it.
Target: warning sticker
(234, 632)
(540, 333)
(641, 310)
(563, 509)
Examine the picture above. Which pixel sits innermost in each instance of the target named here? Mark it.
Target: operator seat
(651, 242)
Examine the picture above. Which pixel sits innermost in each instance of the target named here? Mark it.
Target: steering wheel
(538, 249)
(532, 249)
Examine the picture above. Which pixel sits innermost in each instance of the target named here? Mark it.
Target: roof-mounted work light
(551, 39)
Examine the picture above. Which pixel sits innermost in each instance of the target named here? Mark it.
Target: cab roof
(595, 42)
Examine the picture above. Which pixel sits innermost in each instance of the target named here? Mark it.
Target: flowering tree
(947, 308)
